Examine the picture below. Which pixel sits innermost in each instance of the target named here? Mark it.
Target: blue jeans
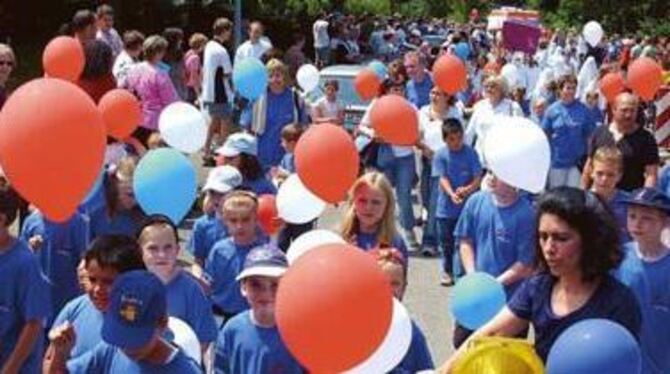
(432, 184)
(401, 173)
(446, 242)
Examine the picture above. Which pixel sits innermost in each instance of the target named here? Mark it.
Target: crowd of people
(94, 294)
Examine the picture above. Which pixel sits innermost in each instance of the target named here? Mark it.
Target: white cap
(239, 143)
(223, 179)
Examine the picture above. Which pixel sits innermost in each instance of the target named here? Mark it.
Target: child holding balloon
(370, 220)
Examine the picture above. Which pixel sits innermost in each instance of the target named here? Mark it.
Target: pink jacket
(154, 89)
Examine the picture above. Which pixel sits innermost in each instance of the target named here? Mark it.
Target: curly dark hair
(584, 212)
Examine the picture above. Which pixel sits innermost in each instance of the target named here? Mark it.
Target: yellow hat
(496, 355)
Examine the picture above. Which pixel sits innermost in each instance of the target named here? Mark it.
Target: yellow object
(496, 355)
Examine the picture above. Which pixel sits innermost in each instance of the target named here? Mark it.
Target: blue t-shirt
(207, 230)
(650, 282)
(104, 359)
(597, 115)
(418, 356)
(260, 186)
(620, 210)
(460, 168)
(123, 223)
(532, 302)
(225, 262)
(368, 241)
(87, 322)
(288, 163)
(187, 301)
(24, 297)
(242, 347)
(568, 128)
(501, 236)
(663, 183)
(63, 247)
(418, 93)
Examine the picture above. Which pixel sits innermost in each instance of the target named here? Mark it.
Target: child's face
(126, 196)
(645, 224)
(143, 352)
(592, 100)
(214, 200)
(331, 92)
(233, 161)
(396, 275)
(288, 145)
(499, 188)
(454, 141)
(260, 292)
(100, 282)
(605, 177)
(159, 249)
(370, 205)
(241, 223)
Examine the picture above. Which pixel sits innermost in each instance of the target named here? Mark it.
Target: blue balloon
(379, 68)
(476, 299)
(595, 346)
(462, 50)
(165, 183)
(250, 78)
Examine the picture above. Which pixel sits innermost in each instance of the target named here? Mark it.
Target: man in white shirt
(106, 32)
(321, 41)
(217, 96)
(256, 46)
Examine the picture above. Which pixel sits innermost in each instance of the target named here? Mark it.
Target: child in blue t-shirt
(209, 228)
(289, 138)
(226, 258)
(418, 356)
(158, 238)
(24, 296)
(108, 256)
(606, 172)
(250, 342)
(241, 151)
(459, 171)
(132, 330)
(59, 247)
(646, 270)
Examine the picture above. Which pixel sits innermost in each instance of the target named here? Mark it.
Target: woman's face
(561, 245)
(277, 81)
(438, 97)
(6, 67)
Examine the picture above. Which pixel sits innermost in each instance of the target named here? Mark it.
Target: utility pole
(238, 23)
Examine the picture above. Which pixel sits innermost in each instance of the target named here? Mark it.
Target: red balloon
(333, 308)
(395, 120)
(121, 112)
(267, 213)
(611, 85)
(645, 77)
(327, 161)
(367, 84)
(64, 58)
(450, 74)
(52, 157)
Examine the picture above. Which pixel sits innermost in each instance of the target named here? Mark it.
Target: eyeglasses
(8, 63)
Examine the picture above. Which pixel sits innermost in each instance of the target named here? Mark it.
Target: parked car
(345, 75)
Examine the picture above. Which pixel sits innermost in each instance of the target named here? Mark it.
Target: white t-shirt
(481, 121)
(430, 127)
(215, 57)
(398, 150)
(320, 31)
(329, 109)
(122, 65)
(247, 49)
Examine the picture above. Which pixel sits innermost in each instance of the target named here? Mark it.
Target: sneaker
(446, 280)
(412, 243)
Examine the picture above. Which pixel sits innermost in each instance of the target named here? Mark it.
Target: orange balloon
(267, 213)
(64, 58)
(645, 77)
(327, 161)
(333, 308)
(611, 85)
(52, 157)
(121, 112)
(450, 74)
(395, 120)
(367, 84)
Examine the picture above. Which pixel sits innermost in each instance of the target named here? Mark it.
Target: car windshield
(346, 94)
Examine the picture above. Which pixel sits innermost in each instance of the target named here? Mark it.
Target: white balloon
(310, 240)
(517, 151)
(511, 74)
(393, 348)
(182, 126)
(296, 204)
(308, 77)
(185, 338)
(593, 33)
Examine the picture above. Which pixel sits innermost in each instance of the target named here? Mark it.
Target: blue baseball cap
(239, 143)
(137, 303)
(649, 197)
(266, 261)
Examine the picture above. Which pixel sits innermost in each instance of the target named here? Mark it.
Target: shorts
(218, 110)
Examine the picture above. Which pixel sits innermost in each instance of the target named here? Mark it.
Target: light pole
(238, 23)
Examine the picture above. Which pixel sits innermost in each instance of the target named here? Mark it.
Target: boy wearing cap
(24, 296)
(108, 256)
(209, 228)
(131, 334)
(159, 241)
(646, 270)
(226, 259)
(250, 342)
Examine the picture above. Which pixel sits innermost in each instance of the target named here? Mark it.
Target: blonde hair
(609, 155)
(277, 65)
(239, 200)
(197, 40)
(154, 45)
(498, 81)
(6, 50)
(387, 229)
